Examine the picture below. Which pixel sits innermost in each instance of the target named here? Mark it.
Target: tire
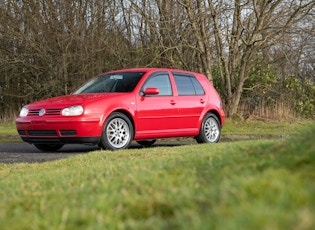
(146, 143)
(117, 132)
(210, 130)
(48, 147)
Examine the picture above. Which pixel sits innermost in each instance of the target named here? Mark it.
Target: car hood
(69, 100)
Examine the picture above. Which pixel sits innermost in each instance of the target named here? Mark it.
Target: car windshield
(116, 82)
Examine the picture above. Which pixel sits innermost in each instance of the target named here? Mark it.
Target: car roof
(150, 69)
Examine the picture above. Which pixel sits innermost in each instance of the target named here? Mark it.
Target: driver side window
(162, 82)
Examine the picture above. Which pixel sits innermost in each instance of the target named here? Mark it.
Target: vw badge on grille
(41, 112)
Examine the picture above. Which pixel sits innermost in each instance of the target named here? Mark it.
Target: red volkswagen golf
(117, 107)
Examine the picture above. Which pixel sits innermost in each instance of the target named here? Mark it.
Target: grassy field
(262, 184)
(7, 128)
(270, 127)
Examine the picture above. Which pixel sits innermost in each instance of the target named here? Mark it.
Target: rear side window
(187, 85)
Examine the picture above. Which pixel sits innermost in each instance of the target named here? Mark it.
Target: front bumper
(66, 130)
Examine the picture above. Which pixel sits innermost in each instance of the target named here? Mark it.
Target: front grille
(48, 112)
(51, 112)
(46, 133)
(33, 112)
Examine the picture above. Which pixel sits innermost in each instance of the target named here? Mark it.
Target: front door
(157, 114)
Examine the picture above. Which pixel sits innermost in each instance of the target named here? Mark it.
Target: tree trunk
(202, 40)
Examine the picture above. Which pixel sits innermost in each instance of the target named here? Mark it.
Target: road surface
(17, 152)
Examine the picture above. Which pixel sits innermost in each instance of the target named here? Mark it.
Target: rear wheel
(48, 147)
(146, 143)
(117, 132)
(210, 130)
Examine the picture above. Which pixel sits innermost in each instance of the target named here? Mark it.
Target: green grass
(7, 128)
(264, 127)
(264, 184)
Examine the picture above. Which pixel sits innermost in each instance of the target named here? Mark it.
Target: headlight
(72, 111)
(24, 112)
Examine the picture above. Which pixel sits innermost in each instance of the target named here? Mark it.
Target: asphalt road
(15, 152)
(18, 152)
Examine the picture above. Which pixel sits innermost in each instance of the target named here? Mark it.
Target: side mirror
(151, 91)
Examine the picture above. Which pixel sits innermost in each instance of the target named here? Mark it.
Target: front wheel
(117, 132)
(210, 130)
(48, 147)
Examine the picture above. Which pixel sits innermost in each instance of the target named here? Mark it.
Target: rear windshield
(116, 82)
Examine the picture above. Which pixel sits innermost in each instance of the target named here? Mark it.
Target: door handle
(172, 102)
(202, 101)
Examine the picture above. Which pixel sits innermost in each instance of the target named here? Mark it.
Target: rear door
(191, 101)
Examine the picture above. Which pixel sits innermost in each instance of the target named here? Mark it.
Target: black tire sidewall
(201, 138)
(104, 143)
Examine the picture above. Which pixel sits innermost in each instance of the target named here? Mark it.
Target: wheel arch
(217, 115)
(125, 112)
(213, 111)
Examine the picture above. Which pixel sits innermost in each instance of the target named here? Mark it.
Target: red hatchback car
(117, 107)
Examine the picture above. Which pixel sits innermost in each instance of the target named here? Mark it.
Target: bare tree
(49, 47)
(198, 15)
(253, 25)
